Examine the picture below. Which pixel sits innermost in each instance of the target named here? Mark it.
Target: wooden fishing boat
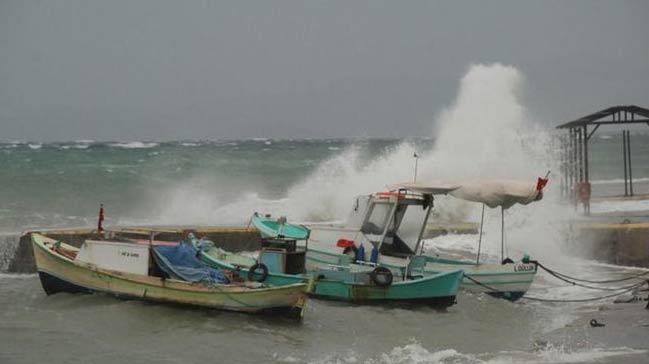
(280, 262)
(126, 272)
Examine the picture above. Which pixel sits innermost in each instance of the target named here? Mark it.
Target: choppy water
(62, 184)
(68, 328)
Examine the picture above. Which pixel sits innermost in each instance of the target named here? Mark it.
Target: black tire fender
(381, 276)
(253, 271)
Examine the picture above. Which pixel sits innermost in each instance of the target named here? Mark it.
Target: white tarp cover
(433, 188)
(494, 193)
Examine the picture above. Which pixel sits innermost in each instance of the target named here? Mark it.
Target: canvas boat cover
(503, 193)
(493, 193)
(180, 262)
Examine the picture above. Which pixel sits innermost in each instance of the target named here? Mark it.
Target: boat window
(377, 218)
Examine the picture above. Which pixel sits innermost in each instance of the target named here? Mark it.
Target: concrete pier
(615, 240)
(622, 243)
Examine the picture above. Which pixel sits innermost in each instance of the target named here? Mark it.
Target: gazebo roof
(616, 113)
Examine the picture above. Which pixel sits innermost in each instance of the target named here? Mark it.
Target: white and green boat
(375, 221)
(126, 270)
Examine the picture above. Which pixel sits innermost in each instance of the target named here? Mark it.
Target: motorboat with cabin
(375, 223)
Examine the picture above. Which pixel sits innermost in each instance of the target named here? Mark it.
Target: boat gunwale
(430, 271)
(430, 277)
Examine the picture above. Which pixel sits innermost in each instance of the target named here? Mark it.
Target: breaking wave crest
(415, 353)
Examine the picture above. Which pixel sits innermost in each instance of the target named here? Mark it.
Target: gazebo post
(628, 148)
(626, 173)
(586, 202)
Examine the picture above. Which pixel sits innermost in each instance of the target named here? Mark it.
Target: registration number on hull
(523, 267)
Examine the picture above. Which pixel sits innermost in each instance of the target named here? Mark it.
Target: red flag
(542, 182)
(100, 221)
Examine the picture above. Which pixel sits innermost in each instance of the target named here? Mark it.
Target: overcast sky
(133, 70)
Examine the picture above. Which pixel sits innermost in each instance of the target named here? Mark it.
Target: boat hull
(438, 290)
(59, 274)
(508, 281)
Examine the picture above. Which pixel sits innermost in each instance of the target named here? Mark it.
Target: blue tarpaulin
(180, 262)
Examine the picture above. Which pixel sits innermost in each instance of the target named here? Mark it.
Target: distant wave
(75, 146)
(190, 144)
(134, 145)
(617, 180)
(619, 206)
(35, 146)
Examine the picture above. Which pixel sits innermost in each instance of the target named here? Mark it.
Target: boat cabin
(118, 256)
(375, 222)
(282, 256)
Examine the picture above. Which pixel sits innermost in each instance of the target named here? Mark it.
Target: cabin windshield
(401, 236)
(377, 218)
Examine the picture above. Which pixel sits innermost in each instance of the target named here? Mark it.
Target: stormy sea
(485, 133)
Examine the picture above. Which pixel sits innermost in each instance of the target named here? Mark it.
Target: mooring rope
(495, 290)
(555, 273)
(574, 281)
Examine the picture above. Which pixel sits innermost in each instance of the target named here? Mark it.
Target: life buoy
(583, 191)
(381, 276)
(252, 272)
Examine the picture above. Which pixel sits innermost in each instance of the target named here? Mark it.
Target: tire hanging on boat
(252, 272)
(381, 276)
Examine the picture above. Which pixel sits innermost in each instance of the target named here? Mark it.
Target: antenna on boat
(416, 156)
